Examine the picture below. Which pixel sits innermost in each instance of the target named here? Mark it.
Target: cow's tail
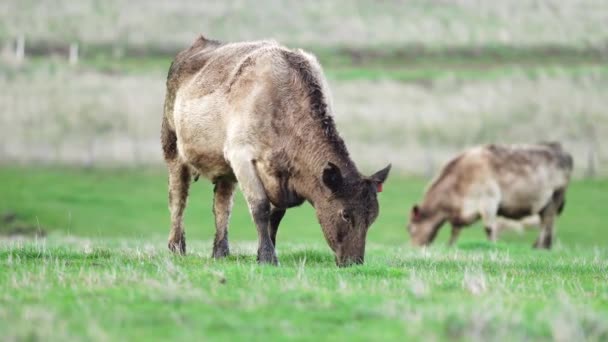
(561, 207)
(565, 161)
(168, 141)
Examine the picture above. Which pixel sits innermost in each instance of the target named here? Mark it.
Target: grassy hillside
(83, 250)
(104, 272)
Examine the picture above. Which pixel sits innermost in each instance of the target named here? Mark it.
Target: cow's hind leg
(222, 207)
(179, 183)
(276, 215)
(490, 223)
(547, 219)
(488, 211)
(545, 238)
(243, 165)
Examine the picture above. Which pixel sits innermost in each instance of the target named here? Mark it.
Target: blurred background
(413, 81)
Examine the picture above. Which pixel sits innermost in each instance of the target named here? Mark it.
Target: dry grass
(59, 114)
(420, 126)
(81, 117)
(579, 23)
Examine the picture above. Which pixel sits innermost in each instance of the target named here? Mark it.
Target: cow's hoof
(178, 245)
(544, 242)
(538, 245)
(220, 249)
(267, 256)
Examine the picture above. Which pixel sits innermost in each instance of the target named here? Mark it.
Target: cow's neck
(435, 202)
(431, 201)
(309, 180)
(312, 142)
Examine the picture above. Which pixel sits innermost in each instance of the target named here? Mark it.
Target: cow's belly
(518, 204)
(208, 163)
(529, 193)
(201, 136)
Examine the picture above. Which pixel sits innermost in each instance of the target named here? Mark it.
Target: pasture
(83, 199)
(103, 271)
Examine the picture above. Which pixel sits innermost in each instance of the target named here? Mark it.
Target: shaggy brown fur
(494, 183)
(259, 113)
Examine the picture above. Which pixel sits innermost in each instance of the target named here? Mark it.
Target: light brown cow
(260, 114)
(493, 182)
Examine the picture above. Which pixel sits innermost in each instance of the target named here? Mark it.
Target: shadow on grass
(239, 258)
(480, 246)
(308, 257)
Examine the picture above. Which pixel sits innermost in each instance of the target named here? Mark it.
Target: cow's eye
(345, 216)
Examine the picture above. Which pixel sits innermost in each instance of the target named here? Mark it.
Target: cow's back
(548, 164)
(528, 175)
(208, 67)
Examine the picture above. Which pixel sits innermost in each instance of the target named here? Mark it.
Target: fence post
(590, 171)
(20, 49)
(73, 58)
(592, 150)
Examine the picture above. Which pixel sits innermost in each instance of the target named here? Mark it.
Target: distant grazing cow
(494, 181)
(260, 114)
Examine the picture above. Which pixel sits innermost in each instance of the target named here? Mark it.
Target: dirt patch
(13, 225)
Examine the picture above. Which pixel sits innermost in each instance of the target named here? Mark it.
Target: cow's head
(348, 212)
(424, 225)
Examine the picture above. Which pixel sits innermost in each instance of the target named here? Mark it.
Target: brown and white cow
(260, 114)
(493, 183)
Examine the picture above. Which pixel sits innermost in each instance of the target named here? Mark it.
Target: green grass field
(103, 272)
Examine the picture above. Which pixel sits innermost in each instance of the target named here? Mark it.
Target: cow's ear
(332, 177)
(415, 212)
(380, 177)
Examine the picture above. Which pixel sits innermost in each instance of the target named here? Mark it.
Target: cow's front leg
(547, 219)
(243, 164)
(455, 233)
